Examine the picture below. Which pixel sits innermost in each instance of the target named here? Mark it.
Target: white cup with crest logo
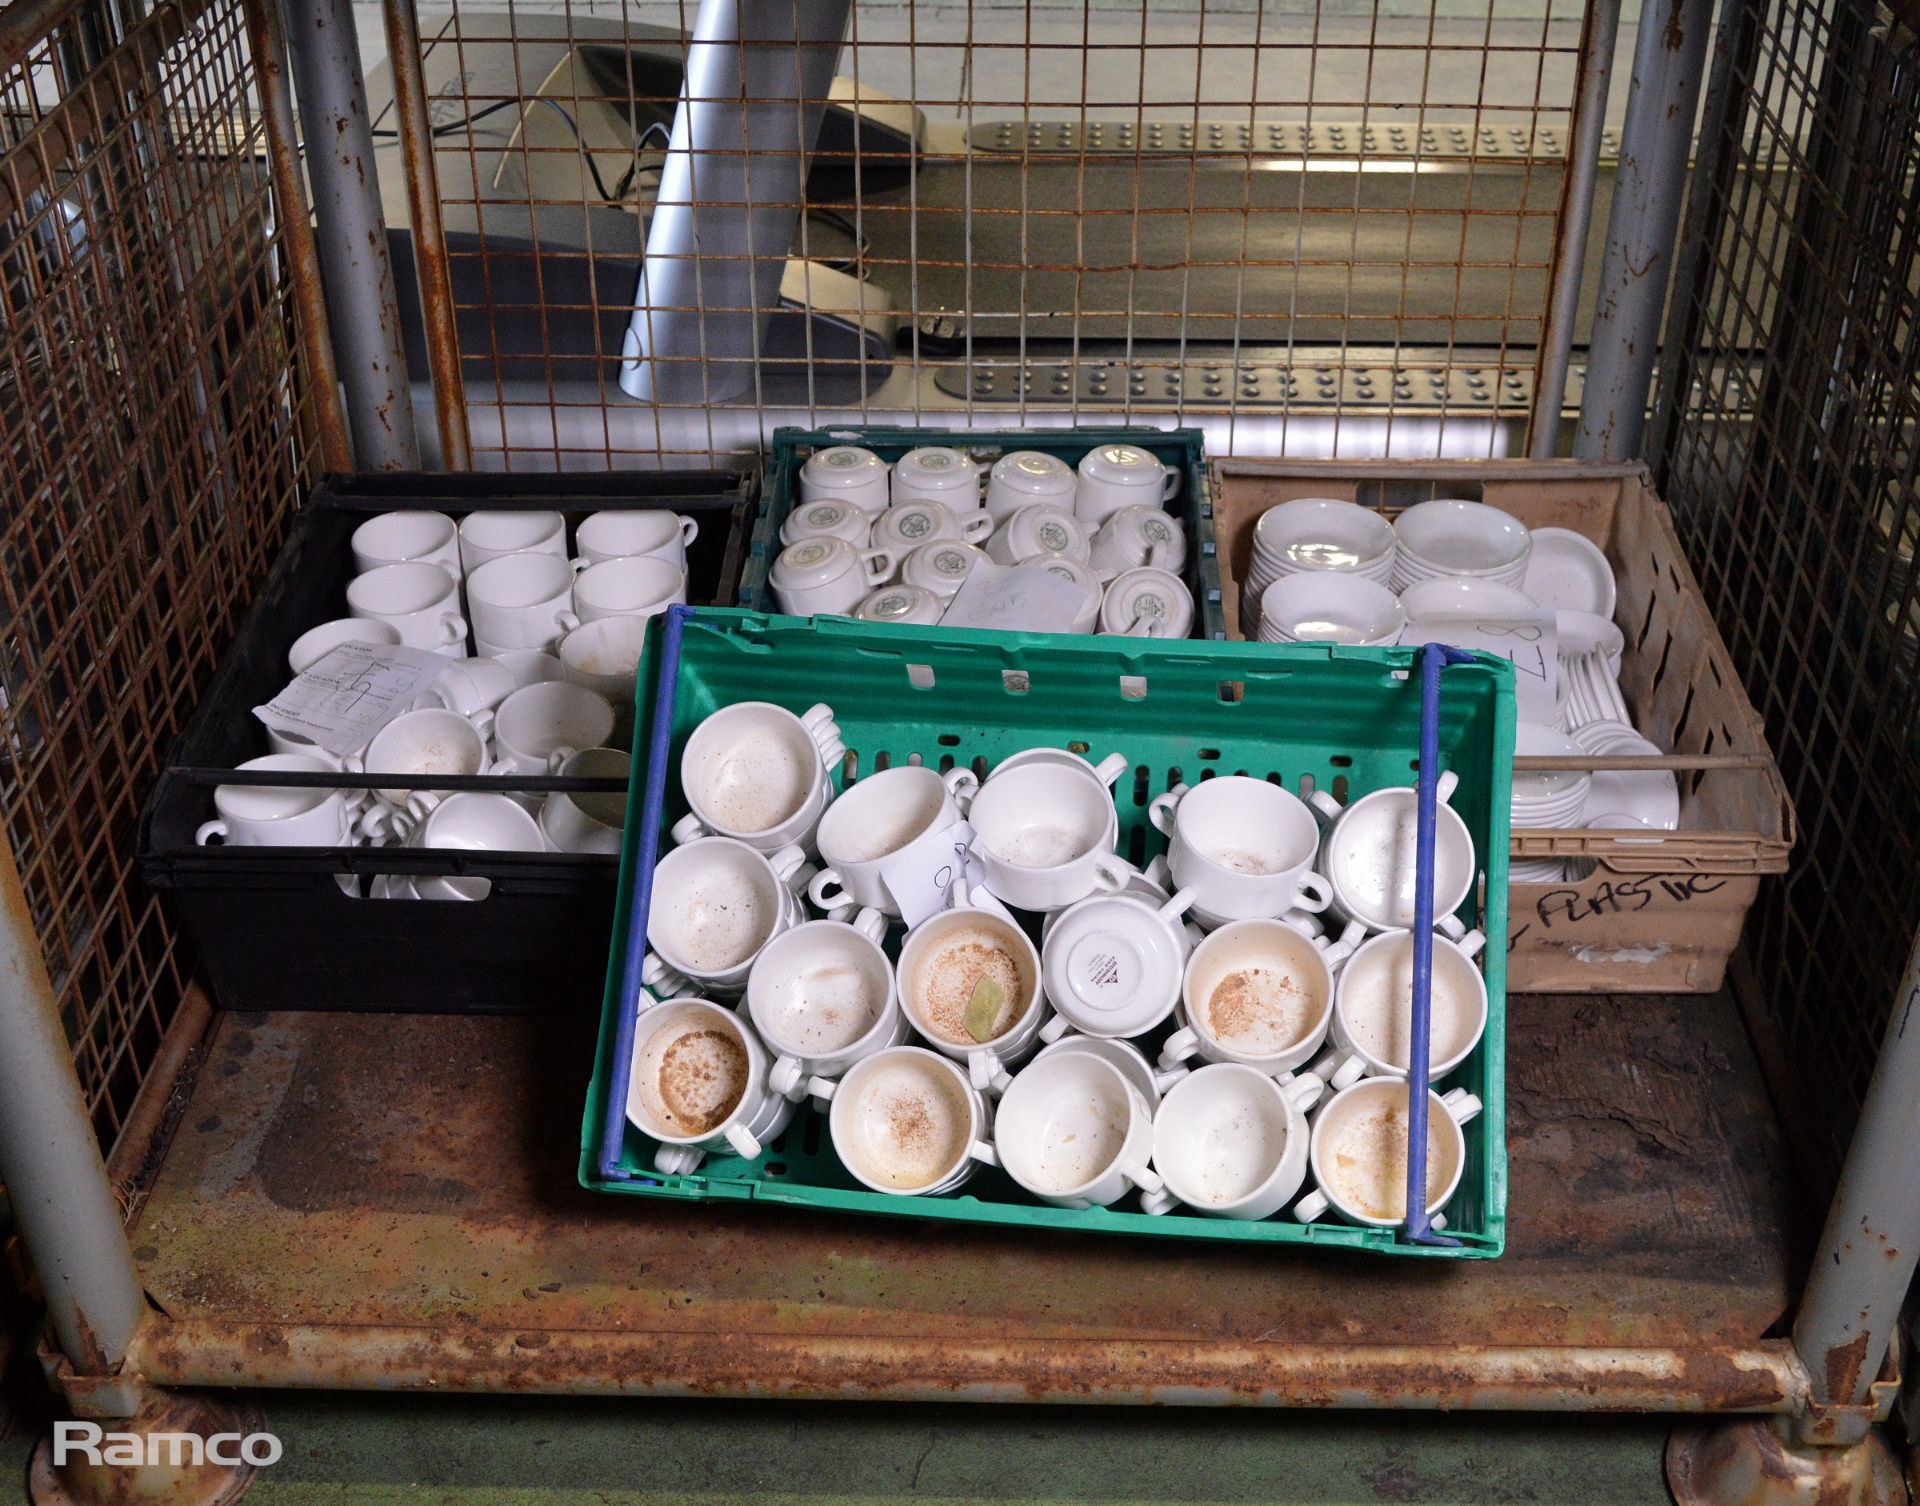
(1113, 476)
(1138, 536)
(846, 473)
(1023, 477)
(936, 473)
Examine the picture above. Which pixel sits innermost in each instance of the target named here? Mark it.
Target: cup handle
(1158, 872)
(827, 891)
(578, 563)
(1447, 783)
(678, 1160)
(870, 923)
(482, 722)
(1180, 1045)
(566, 621)
(963, 784)
(743, 1143)
(1144, 626)
(1142, 1176)
(787, 862)
(558, 757)
(1437, 1223)
(822, 1088)
(1111, 768)
(1460, 1105)
(1161, 809)
(1471, 943)
(689, 529)
(1325, 807)
(209, 829)
(787, 1079)
(1170, 483)
(877, 564)
(1167, 1077)
(1349, 1072)
(453, 629)
(379, 824)
(1174, 908)
(982, 1152)
(1159, 1202)
(1111, 874)
(658, 974)
(688, 828)
(1314, 894)
(975, 526)
(1450, 926)
(1312, 1207)
(1002, 1080)
(1303, 1091)
(1056, 1027)
(983, 1067)
(1158, 555)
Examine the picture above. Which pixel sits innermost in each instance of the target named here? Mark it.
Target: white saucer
(1567, 569)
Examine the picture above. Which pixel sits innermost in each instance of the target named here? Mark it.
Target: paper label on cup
(350, 692)
(927, 877)
(1530, 644)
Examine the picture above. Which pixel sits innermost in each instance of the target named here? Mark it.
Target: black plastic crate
(274, 928)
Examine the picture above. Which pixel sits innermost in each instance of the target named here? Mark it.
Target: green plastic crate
(780, 484)
(1348, 719)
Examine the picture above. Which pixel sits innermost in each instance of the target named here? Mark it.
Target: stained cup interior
(1371, 859)
(1062, 1124)
(749, 768)
(1257, 988)
(1360, 1150)
(1247, 826)
(715, 903)
(819, 989)
(1376, 1002)
(1042, 815)
(881, 814)
(691, 1072)
(1219, 1135)
(902, 1120)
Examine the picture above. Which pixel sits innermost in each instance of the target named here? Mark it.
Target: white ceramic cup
(521, 600)
(822, 998)
(1257, 992)
(1103, 774)
(281, 815)
(1043, 834)
(1092, 588)
(907, 605)
(1372, 1028)
(1113, 476)
(1038, 531)
(699, 1085)
(827, 575)
(317, 642)
(847, 473)
(632, 586)
(625, 533)
(588, 821)
(434, 741)
(1072, 1131)
(1137, 537)
(1112, 964)
(1244, 846)
(1371, 848)
(1231, 1142)
(1146, 1079)
(716, 904)
(907, 526)
(472, 687)
(756, 772)
(419, 601)
(878, 819)
(488, 535)
(539, 727)
(937, 474)
(1147, 603)
(1023, 477)
(941, 963)
(906, 1121)
(1356, 1181)
(941, 568)
(530, 666)
(829, 518)
(467, 821)
(603, 654)
(393, 538)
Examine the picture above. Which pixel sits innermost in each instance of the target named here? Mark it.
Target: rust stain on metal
(1845, 1364)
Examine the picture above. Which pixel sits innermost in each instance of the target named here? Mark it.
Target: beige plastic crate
(1658, 914)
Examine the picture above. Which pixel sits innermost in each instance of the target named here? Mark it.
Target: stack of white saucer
(1322, 534)
(1449, 537)
(1553, 800)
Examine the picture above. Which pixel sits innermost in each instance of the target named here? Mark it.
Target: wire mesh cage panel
(1788, 413)
(1311, 231)
(152, 441)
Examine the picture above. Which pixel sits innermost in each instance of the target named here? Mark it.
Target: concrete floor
(473, 1451)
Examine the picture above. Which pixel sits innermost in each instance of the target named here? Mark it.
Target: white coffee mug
(1142, 1075)
(603, 654)
(1138, 537)
(1113, 963)
(488, 535)
(936, 473)
(530, 666)
(472, 687)
(908, 606)
(281, 815)
(1108, 770)
(827, 575)
(434, 741)
(419, 601)
(822, 997)
(1357, 1183)
(1371, 1034)
(830, 518)
(1023, 477)
(875, 822)
(1073, 1132)
(624, 533)
(942, 963)
(699, 1085)
(632, 586)
(716, 903)
(846, 473)
(1370, 849)
(317, 642)
(468, 821)
(1043, 833)
(394, 538)
(588, 821)
(1084, 576)
(521, 600)
(757, 772)
(1244, 847)
(1038, 531)
(1147, 603)
(539, 727)
(906, 1121)
(1113, 476)
(907, 526)
(1231, 1142)
(941, 568)
(1257, 992)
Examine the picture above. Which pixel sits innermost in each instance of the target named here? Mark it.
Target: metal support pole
(352, 232)
(756, 86)
(1871, 1243)
(429, 238)
(1598, 38)
(1669, 60)
(50, 1156)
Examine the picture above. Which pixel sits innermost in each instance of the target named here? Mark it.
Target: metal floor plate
(418, 1172)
